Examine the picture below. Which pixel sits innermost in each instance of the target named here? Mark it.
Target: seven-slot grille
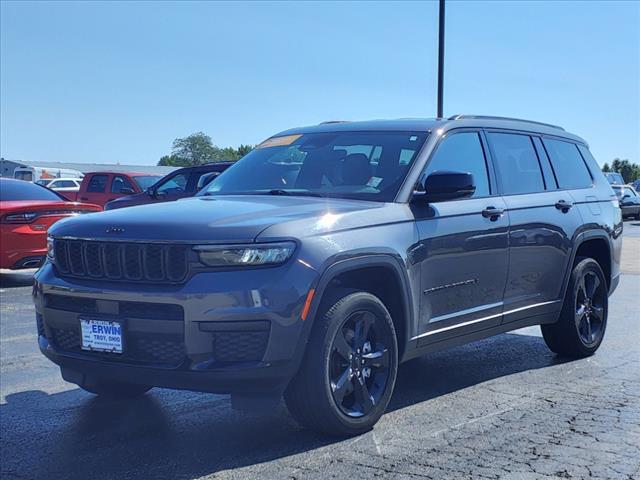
(135, 262)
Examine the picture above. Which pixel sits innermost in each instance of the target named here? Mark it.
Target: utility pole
(440, 57)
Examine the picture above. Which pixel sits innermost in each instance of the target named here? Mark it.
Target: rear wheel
(583, 319)
(345, 382)
(106, 388)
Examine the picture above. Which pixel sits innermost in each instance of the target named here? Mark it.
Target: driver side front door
(463, 246)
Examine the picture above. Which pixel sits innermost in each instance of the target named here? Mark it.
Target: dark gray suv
(330, 254)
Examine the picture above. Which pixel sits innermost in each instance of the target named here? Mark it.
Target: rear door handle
(84, 198)
(492, 213)
(563, 205)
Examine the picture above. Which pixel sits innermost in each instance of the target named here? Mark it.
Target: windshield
(146, 181)
(44, 182)
(21, 190)
(361, 165)
(614, 178)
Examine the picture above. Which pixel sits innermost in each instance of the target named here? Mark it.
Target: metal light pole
(440, 57)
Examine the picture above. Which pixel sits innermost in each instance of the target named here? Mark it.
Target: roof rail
(489, 117)
(333, 121)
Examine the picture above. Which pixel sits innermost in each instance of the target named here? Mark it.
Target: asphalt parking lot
(499, 408)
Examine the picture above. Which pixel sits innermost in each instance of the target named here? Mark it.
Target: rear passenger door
(543, 221)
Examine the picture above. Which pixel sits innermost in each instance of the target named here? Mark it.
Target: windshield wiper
(301, 193)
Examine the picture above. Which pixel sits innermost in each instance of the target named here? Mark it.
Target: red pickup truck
(99, 188)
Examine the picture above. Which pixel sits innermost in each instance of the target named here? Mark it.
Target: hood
(221, 219)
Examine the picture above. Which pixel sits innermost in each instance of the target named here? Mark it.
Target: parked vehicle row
(332, 253)
(629, 200)
(101, 187)
(182, 183)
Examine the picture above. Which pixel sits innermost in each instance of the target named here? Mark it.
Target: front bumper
(223, 332)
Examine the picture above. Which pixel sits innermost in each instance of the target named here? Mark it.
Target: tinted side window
(517, 163)
(462, 152)
(97, 183)
(570, 169)
(119, 183)
(175, 184)
(65, 184)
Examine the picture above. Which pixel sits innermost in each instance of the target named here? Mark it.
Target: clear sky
(117, 82)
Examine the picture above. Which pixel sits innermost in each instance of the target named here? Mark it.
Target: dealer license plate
(101, 335)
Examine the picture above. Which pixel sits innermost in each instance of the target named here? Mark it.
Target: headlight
(50, 248)
(249, 255)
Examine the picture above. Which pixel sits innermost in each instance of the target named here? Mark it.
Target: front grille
(166, 350)
(134, 262)
(240, 346)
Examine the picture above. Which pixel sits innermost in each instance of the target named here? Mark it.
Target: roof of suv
(429, 124)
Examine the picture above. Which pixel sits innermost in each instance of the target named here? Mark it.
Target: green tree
(606, 168)
(198, 148)
(244, 149)
(195, 149)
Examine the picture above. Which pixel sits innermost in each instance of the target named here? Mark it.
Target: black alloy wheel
(590, 306)
(359, 364)
(582, 322)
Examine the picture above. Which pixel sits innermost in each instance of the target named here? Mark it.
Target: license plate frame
(102, 335)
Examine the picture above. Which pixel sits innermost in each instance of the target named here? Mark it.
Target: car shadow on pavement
(9, 279)
(168, 434)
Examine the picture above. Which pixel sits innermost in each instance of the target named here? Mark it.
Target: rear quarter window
(517, 163)
(568, 165)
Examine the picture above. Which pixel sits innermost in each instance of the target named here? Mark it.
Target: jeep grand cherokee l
(330, 254)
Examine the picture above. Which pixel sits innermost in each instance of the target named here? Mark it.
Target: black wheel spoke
(378, 359)
(342, 346)
(593, 285)
(598, 313)
(589, 330)
(342, 386)
(582, 290)
(363, 397)
(363, 324)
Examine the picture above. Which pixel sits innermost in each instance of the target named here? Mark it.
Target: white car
(61, 184)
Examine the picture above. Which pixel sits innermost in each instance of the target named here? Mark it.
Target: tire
(583, 319)
(333, 392)
(112, 389)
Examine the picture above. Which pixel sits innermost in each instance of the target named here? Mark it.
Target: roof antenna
(440, 57)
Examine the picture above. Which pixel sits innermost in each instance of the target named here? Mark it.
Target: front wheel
(347, 376)
(583, 319)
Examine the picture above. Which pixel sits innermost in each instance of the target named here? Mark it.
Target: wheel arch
(361, 273)
(593, 244)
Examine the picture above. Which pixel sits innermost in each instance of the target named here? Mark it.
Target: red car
(99, 188)
(27, 211)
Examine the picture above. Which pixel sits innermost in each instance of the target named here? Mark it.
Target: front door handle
(492, 213)
(563, 205)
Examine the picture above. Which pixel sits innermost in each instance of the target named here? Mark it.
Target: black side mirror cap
(443, 185)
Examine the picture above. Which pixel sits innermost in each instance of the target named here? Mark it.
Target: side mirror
(127, 191)
(151, 192)
(626, 196)
(442, 185)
